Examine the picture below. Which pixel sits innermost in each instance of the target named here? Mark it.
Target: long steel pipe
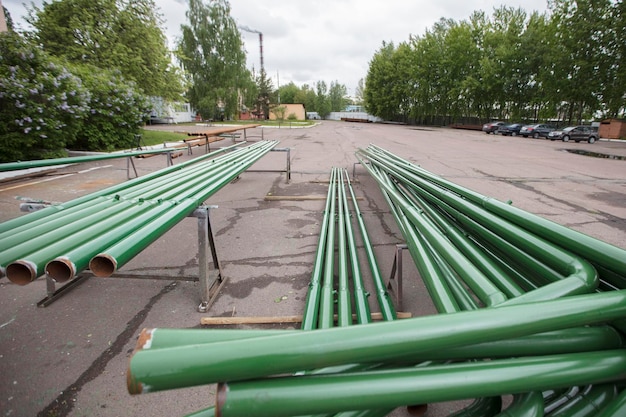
(311, 307)
(28, 219)
(107, 262)
(583, 275)
(377, 342)
(289, 396)
(78, 233)
(16, 166)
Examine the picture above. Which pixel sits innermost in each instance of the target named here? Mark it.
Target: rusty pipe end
(21, 272)
(144, 340)
(134, 387)
(61, 269)
(103, 265)
(220, 398)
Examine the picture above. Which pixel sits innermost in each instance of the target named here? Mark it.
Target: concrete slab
(70, 358)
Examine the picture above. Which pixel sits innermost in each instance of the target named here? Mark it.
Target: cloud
(325, 40)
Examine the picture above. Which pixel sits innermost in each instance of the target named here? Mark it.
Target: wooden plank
(216, 321)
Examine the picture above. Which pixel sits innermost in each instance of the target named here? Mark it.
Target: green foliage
(41, 103)
(211, 51)
(510, 65)
(126, 35)
(117, 111)
(292, 117)
(279, 112)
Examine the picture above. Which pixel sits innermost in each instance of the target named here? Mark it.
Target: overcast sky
(324, 40)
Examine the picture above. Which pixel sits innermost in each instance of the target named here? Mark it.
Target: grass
(157, 137)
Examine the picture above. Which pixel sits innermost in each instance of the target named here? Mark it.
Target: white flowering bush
(47, 107)
(42, 104)
(117, 111)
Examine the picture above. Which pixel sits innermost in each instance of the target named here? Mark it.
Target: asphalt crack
(65, 402)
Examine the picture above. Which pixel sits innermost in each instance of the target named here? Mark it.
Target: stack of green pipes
(529, 308)
(105, 229)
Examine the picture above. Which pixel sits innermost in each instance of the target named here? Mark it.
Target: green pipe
(344, 308)
(360, 294)
(41, 232)
(311, 307)
(573, 340)
(573, 266)
(483, 407)
(441, 294)
(29, 218)
(15, 166)
(81, 233)
(599, 252)
(616, 408)
(106, 263)
(289, 396)
(588, 402)
(490, 268)
(25, 270)
(326, 307)
(529, 404)
(384, 300)
(481, 286)
(154, 370)
(148, 190)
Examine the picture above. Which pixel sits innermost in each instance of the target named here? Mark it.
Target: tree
(322, 102)
(42, 104)
(359, 91)
(288, 93)
(337, 96)
(212, 53)
(122, 34)
(379, 81)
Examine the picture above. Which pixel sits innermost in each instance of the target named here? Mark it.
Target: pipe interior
(20, 274)
(59, 271)
(102, 266)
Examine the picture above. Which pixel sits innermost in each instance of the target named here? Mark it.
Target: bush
(41, 103)
(117, 111)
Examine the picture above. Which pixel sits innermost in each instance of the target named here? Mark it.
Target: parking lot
(70, 358)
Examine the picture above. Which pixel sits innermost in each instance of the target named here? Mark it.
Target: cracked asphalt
(70, 358)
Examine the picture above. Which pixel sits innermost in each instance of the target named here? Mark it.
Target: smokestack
(261, 48)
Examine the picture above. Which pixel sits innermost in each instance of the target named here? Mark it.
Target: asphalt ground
(70, 358)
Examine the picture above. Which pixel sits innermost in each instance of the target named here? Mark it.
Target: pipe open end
(417, 410)
(21, 272)
(61, 269)
(220, 398)
(103, 265)
(134, 387)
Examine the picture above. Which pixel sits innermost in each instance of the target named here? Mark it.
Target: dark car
(510, 130)
(575, 133)
(492, 127)
(536, 131)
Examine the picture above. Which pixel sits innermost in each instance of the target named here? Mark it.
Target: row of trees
(568, 64)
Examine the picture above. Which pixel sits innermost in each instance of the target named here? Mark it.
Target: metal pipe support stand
(287, 169)
(130, 162)
(395, 278)
(210, 276)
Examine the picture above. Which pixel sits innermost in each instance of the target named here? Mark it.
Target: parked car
(510, 130)
(536, 131)
(492, 127)
(576, 133)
